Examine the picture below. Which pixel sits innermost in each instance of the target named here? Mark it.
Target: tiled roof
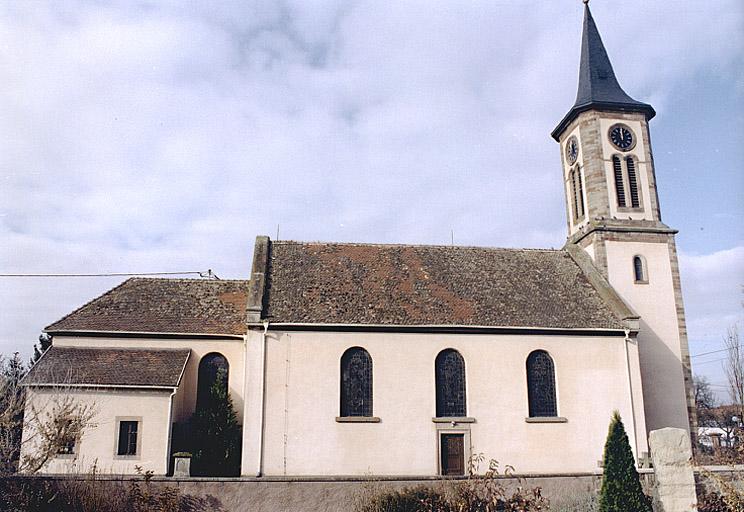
(109, 367)
(186, 306)
(430, 285)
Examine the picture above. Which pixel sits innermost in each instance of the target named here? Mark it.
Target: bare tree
(36, 427)
(705, 400)
(733, 367)
(53, 424)
(11, 412)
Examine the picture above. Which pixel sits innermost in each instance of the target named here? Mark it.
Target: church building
(346, 359)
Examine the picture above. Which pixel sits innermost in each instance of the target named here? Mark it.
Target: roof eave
(149, 334)
(604, 106)
(154, 387)
(448, 328)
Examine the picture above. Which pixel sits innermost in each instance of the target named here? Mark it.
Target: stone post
(181, 464)
(675, 481)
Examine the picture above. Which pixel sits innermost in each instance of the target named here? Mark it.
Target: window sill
(547, 419)
(453, 419)
(640, 282)
(358, 419)
(126, 457)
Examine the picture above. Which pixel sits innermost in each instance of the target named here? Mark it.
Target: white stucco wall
(185, 400)
(97, 446)
(659, 342)
(302, 436)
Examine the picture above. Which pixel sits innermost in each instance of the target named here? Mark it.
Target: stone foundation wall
(335, 494)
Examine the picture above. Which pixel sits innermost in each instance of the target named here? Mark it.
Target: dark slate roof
(329, 283)
(185, 306)
(109, 367)
(598, 86)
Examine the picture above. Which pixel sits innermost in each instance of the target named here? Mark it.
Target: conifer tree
(621, 489)
(45, 341)
(216, 434)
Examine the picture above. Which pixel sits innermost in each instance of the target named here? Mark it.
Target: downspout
(170, 430)
(259, 473)
(630, 389)
(245, 400)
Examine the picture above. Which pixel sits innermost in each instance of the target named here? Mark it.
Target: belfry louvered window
(617, 167)
(577, 188)
(632, 182)
(356, 383)
(627, 188)
(449, 373)
(541, 385)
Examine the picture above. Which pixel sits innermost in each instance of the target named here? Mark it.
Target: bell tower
(613, 214)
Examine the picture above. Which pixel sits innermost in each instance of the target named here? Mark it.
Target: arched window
(449, 374)
(213, 368)
(639, 270)
(356, 383)
(541, 385)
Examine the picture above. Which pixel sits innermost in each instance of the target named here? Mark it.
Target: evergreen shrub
(621, 489)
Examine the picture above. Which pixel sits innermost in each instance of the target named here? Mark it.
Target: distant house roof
(183, 306)
(330, 283)
(74, 366)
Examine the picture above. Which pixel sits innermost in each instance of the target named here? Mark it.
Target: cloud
(713, 286)
(149, 136)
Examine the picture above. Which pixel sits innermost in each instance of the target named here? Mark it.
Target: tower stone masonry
(613, 214)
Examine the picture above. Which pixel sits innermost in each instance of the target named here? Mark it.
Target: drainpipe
(263, 401)
(170, 430)
(630, 389)
(245, 401)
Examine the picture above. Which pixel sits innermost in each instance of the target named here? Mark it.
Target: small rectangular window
(127, 438)
(66, 440)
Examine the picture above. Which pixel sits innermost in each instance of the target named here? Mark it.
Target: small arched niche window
(639, 269)
(356, 383)
(213, 370)
(449, 374)
(541, 385)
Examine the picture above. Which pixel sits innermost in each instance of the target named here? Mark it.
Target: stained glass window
(541, 385)
(356, 383)
(449, 372)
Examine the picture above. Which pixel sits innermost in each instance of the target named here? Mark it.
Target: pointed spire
(598, 87)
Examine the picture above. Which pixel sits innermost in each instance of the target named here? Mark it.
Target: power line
(711, 361)
(716, 351)
(208, 274)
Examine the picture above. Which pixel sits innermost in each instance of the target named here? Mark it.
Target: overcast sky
(164, 136)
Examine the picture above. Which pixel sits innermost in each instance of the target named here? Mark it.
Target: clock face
(622, 137)
(572, 150)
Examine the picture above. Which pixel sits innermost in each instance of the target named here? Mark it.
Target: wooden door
(453, 454)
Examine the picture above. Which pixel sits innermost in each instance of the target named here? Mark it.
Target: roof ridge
(188, 279)
(88, 303)
(442, 246)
